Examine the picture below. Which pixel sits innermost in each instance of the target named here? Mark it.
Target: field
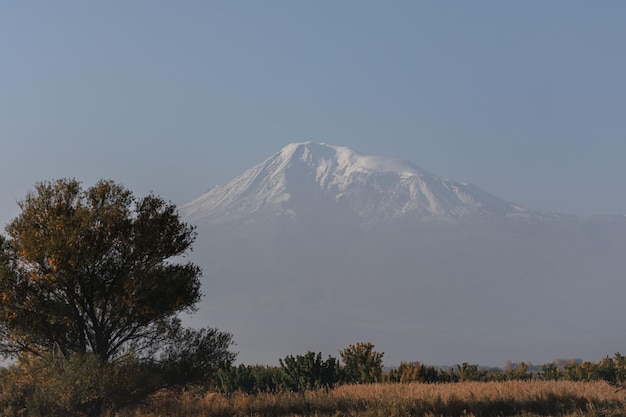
(509, 398)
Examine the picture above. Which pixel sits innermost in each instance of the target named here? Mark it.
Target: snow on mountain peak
(307, 178)
(347, 160)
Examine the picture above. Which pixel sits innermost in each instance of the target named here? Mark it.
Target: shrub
(468, 372)
(82, 385)
(250, 379)
(413, 372)
(518, 373)
(194, 356)
(362, 363)
(308, 371)
(550, 372)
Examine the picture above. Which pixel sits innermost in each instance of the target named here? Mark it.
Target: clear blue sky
(527, 99)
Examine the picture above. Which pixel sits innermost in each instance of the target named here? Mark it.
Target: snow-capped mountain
(319, 247)
(307, 177)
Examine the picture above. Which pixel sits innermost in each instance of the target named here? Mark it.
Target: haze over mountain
(320, 246)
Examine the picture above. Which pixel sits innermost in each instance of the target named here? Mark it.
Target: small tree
(308, 371)
(362, 363)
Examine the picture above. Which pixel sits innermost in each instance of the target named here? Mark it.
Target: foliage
(469, 372)
(608, 369)
(517, 372)
(249, 379)
(54, 386)
(305, 372)
(91, 271)
(619, 365)
(413, 372)
(362, 363)
(550, 372)
(83, 385)
(194, 356)
(296, 373)
(308, 371)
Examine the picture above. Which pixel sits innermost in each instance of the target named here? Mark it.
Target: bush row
(362, 364)
(309, 371)
(82, 385)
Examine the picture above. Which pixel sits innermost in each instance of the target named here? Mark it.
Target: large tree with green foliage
(96, 271)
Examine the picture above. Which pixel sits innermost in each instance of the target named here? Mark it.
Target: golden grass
(511, 398)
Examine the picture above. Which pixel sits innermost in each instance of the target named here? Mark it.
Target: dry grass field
(511, 398)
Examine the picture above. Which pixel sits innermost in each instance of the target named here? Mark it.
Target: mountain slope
(307, 178)
(319, 247)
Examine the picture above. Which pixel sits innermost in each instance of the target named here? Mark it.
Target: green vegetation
(305, 372)
(308, 371)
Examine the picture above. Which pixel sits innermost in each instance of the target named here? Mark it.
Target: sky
(526, 100)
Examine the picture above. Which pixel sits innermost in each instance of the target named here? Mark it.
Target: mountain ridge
(295, 179)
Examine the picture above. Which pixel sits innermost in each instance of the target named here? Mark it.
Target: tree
(94, 271)
(362, 363)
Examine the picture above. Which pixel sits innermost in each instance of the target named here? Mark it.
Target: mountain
(305, 179)
(319, 247)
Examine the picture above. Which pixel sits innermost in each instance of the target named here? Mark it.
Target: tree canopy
(94, 270)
